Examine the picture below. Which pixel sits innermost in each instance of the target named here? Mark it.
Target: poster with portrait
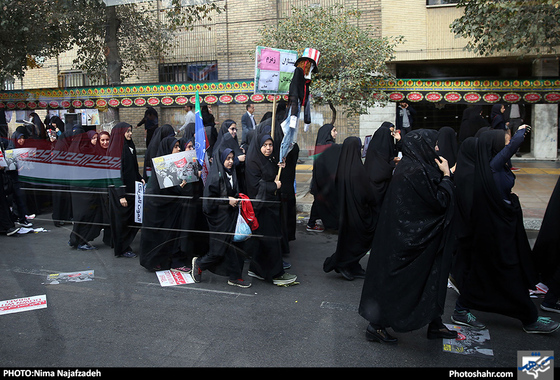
(172, 169)
(17, 159)
(274, 69)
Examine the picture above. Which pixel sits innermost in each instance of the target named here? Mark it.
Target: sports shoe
(24, 223)
(543, 325)
(555, 308)
(514, 169)
(86, 247)
(466, 318)
(128, 255)
(315, 228)
(285, 279)
(253, 274)
(12, 231)
(196, 272)
(182, 269)
(239, 282)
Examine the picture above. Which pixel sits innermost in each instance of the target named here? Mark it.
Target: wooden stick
(273, 117)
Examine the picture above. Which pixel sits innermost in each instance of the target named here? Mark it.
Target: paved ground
(124, 318)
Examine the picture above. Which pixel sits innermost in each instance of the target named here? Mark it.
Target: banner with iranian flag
(48, 167)
(200, 140)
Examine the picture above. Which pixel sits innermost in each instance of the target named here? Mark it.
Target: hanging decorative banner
(483, 92)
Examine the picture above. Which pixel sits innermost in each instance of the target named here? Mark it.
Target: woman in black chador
(462, 219)
(86, 201)
(447, 145)
(357, 212)
(380, 161)
(326, 137)
(547, 252)
(500, 267)
(221, 207)
(263, 188)
(471, 123)
(323, 188)
(62, 202)
(161, 221)
(406, 276)
(121, 195)
(160, 133)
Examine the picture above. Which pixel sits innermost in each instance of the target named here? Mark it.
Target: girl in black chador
(500, 265)
(547, 252)
(161, 221)
(87, 201)
(121, 194)
(357, 212)
(265, 249)
(221, 207)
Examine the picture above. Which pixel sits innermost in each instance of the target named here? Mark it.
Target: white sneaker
(285, 279)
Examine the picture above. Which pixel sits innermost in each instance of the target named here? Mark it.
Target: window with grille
(441, 2)
(77, 79)
(189, 71)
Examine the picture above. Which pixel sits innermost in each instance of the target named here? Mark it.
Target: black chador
(408, 267)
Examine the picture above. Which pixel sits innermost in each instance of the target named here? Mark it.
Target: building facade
(434, 74)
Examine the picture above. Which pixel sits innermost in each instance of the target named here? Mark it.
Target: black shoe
(346, 273)
(359, 273)
(12, 231)
(374, 334)
(440, 331)
(24, 223)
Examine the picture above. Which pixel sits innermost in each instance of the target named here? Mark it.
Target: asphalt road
(123, 317)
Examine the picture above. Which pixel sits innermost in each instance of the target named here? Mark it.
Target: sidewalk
(534, 183)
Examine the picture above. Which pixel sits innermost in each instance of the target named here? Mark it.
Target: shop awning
(486, 92)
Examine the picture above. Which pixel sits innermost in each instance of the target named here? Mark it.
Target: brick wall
(231, 40)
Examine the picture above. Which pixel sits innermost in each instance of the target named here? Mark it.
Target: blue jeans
(290, 135)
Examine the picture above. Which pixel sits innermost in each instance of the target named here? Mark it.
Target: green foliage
(521, 27)
(121, 38)
(352, 61)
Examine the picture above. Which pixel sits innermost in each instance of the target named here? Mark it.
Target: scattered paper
(23, 304)
(540, 290)
(57, 278)
(173, 277)
(25, 230)
(469, 342)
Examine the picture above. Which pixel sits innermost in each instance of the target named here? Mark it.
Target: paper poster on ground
(23, 304)
(62, 277)
(469, 342)
(174, 277)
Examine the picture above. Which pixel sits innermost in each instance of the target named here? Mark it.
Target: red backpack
(247, 212)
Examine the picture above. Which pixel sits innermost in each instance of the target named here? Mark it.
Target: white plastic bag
(242, 229)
